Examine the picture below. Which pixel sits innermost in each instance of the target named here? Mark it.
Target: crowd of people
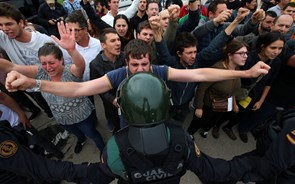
(229, 60)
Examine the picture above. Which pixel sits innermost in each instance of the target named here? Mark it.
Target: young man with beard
(282, 24)
(110, 58)
(140, 16)
(101, 7)
(263, 27)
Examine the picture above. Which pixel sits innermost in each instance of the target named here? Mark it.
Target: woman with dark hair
(235, 55)
(124, 29)
(269, 47)
(76, 115)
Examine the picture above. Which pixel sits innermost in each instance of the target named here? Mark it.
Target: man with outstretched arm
(137, 55)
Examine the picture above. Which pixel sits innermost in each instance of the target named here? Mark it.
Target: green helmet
(144, 100)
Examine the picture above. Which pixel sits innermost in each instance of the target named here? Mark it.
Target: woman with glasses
(269, 47)
(235, 56)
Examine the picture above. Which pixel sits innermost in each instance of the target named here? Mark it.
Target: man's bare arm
(210, 74)
(16, 81)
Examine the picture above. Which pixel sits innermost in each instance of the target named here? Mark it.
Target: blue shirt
(117, 76)
(70, 7)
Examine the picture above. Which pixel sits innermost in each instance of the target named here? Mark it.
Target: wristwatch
(36, 88)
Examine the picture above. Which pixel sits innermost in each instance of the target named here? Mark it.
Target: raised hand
(156, 27)
(222, 17)
(242, 13)
(258, 16)
(258, 69)
(67, 37)
(174, 11)
(16, 81)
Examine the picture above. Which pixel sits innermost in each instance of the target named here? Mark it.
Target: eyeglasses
(76, 30)
(242, 54)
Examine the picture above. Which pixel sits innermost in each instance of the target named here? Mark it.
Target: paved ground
(221, 148)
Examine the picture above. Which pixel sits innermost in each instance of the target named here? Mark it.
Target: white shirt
(108, 18)
(129, 12)
(89, 53)
(9, 115)
(276, 9)
(26, 53)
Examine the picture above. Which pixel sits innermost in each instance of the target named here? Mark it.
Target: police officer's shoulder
(291, 137)
(192, 146)
(289, 130)
(112, 156)
(8, 142)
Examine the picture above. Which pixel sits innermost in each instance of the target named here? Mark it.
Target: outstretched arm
(210, 74)
(7, 66)
(16, 81)
(93, 17)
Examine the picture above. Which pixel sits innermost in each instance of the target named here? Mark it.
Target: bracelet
(36, 88)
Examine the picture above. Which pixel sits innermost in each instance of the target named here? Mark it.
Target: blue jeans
(86, 128)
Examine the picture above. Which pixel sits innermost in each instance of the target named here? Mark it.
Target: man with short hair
(282, 23)
(140, 16)
(164, 19)
(278, 8)
(152, 8)
(206, 32)
(49, 13)
(145, 33)
(101, 7)
(110, 58)
(264, 26)
(86, 45)
(114, 10)
(21, 46)
(289, 9)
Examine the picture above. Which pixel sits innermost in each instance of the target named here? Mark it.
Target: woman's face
(239, 57)
(273, 50)
(52, 66)
(121, 27)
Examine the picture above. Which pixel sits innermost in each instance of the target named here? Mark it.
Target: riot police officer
(276, 143)
(153, 149)
(20, 165)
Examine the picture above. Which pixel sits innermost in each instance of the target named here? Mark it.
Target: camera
(57, 20)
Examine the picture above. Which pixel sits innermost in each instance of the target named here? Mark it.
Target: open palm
(67, 37)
